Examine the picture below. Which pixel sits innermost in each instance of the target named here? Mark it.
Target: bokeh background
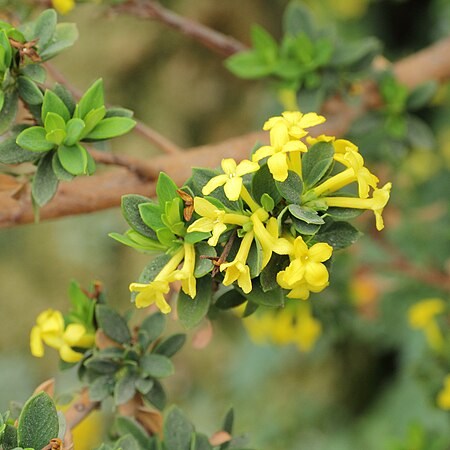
(366, 382)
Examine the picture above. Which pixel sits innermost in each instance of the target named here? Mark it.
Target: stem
(218, 42)
(296, 163)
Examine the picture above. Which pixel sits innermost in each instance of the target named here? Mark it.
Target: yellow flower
(340, 145)
(186, 274)
(379, 199)
(231, 180)
(49, 330)
(63, 6)
(283, 331)
(355, 172)
(238, 270)
(268, 238)
(422, 316)
(213, 220)
(443, 398)
(307, 329)
(280, 146)
(154, 291)
(295, 122)
(306, 272)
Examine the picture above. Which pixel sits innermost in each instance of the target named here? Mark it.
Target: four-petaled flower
(280, 146)
(231, 180)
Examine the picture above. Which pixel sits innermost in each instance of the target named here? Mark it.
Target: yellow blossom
(355, 172)
(306, 272)
(238, 270)
(379, 199)
(63, 6)
(340, 145)
(295, 122)
(280, 146)
(443, 398)
(231, 180)
(307, 329)
(422, 316)
(154, 291)
(186, 274)
(213, 220)
(268, 238)
(50, 330)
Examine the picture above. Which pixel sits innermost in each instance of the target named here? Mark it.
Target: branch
(152, 136)
(218, 42)
(80, 409)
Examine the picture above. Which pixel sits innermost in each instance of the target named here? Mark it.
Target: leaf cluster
(131, 363)
(310, 60)
(178, 433)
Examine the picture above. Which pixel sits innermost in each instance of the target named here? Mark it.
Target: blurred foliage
(370, 381)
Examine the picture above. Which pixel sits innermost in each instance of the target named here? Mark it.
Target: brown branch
(218, 42)
(80, 409)
(152, 136)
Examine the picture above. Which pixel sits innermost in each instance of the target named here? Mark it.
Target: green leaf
(74, 130)
(157, 366)
(91, 120)
(10, 437)
(56, 136)
(191, 311)
(202, 265)
(250, 308)
(152, 269)
(248, 65)
(297, 19)
(306, 215)
(35, 72)
(53, 122)
(157, 396)
(64, 37)
(127, 442)
(59, 170)
(200, 442)
(126, 425)
(150, 214)
(52, 103)
(93, 98)
(9, 110)
(264, 43)
(118, 112)
(111, 127)
(305, 228)
(6, 51)
(273, 298)
(64, 94)
(316, 162)
(343, 213)
(130, 211)
(339, 235)
(177, 430)
(45, 182)
(291, 189)
(419, 134)
(38, 422)
(124, 389)
(267, 202)
(268, 278)
(73, 158)
(172, 345)
(112, 324)
(166, 189)
(143, 385)
(11, 153)
(102, 366)
(45, 27)
(230, 299)
(153, 326)
(29, 91)
(101, 388)
(355, 53)
(421, 95)
(263, 183)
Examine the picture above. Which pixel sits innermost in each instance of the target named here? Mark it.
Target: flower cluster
(268, 224)
(291, 325)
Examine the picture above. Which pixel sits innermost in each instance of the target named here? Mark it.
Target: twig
(80, 409)
(152, 136)
(218, 42)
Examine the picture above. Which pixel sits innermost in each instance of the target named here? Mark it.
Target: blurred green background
(370, 382)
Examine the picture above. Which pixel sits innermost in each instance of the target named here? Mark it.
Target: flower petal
(263, 152)
(310, 120)
(69, 355)
(228, 166)
(214, 183)
(245, 167)
(233, 188)
(278, 166)
(320, 252)
(36, 344)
